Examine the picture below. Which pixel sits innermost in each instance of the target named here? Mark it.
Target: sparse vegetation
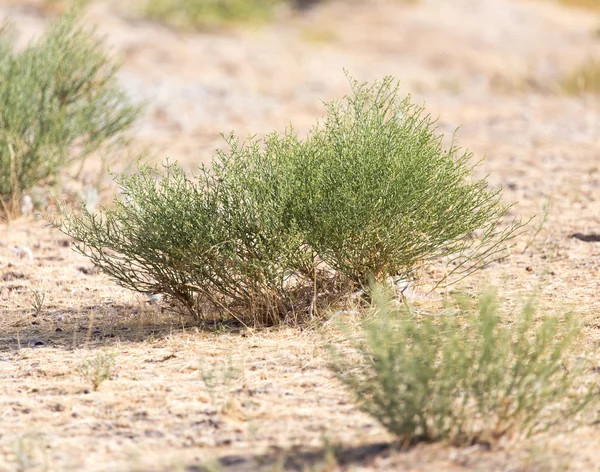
(584, 79)
(591, 4)
(193, 14)
(59, 102)
(190, 14)
(30, 452)
(371, 193)
(318, 35)
(60, 7)
(37, 302)
(542, 220)
(222, 380)
(468, 376)
(96, 370)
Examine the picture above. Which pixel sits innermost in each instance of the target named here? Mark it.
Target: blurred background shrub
(59, 102)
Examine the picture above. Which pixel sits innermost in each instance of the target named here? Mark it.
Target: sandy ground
(493, 67)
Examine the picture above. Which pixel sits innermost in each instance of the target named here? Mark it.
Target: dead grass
(590, 4)
(585, 79)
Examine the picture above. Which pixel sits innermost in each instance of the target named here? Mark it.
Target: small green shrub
(59, 102)
(38, 301)
(97, 369)
(466, 377)
(275, 229)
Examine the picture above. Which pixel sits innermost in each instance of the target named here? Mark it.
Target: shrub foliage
(59, 101)
(274, 227)
(218, 240)
(466, 377)
(381, 194)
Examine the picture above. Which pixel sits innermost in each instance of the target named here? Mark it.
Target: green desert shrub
(276, 228)
(217, 240)
(470, 376)
(379, 194)
(59, 102)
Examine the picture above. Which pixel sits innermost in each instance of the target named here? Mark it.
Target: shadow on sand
(96, 326)
(588, 238)
(300, 460)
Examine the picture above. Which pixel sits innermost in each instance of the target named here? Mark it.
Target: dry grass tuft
(585, 79)
(591, 4)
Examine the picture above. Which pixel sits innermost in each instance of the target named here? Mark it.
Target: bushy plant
(217, 240)
(276, 227)
(378, 194)
(471, 376)
(59, 101)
